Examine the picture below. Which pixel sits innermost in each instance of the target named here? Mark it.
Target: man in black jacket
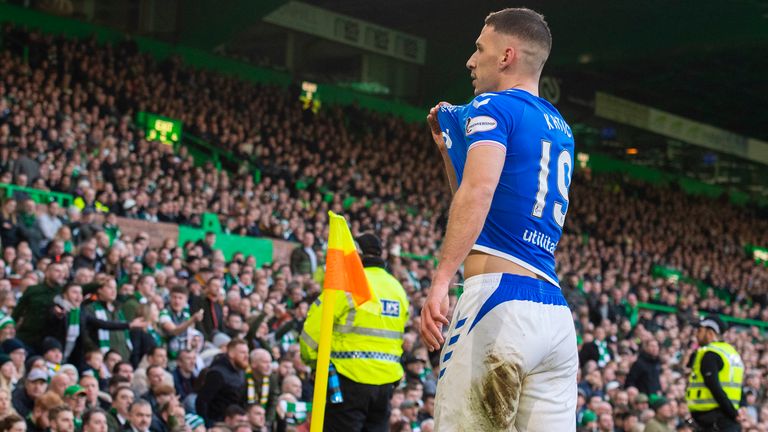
(24, 396)
(304, 258)
(29, 313)
(645, 372)
(224, 383)
(213, 318)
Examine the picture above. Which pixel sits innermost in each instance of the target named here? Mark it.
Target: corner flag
(343, 272)
(343, 267)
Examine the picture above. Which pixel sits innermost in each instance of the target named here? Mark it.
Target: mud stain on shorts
(495, 398)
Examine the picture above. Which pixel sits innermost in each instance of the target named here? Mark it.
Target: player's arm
(487, 131)
(449, 170)
(437, 136)
(469, 209)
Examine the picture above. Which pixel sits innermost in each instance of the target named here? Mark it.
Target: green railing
(726, 318)
(203, 152)
(37, 195)
(676, 275)
(588, 137)
(600, 163)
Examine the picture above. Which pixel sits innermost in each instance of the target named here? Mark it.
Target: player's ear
(508, 57)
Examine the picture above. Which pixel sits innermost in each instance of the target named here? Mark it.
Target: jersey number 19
(563, 181)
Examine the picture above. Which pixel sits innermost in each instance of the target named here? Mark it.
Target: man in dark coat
(224, 383)
(31, 327)
(24, 396)
(303, 258)
(213, 318)
(644, 373)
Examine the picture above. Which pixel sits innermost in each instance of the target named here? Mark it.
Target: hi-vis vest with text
(365, 347)
(731, 376)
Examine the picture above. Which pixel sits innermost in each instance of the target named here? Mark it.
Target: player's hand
(433, 316)
(434, 126)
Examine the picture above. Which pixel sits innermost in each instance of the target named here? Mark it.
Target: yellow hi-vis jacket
(79, 202)
(731, 376)
(365, 347)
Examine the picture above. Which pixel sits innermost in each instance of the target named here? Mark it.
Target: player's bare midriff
(478, 263)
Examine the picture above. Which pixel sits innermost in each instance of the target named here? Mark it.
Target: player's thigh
(548, 398)
(483, 367)
(453, 364)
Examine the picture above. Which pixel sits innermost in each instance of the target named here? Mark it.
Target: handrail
(38, 195)
(726, 318)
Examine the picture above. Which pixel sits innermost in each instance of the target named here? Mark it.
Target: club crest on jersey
(390, 308)
(480, 124)
(447, 138)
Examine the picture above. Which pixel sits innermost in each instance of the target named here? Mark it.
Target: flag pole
(323, 360)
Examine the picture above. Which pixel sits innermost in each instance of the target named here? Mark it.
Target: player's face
(485, 61)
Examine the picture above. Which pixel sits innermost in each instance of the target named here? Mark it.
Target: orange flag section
(343, 267)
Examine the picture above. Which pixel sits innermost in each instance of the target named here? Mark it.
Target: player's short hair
(525, 24)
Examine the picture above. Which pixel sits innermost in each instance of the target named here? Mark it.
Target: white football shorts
(509, 361)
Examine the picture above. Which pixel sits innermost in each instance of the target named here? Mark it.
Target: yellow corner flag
(343, 272)
(343, 267)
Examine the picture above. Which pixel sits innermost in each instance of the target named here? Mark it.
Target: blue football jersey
(526, 217)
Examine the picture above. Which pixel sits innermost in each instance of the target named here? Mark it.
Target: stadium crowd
(94, 320)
